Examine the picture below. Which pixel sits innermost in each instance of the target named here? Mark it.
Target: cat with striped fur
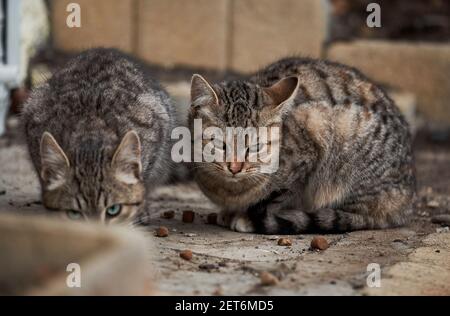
(98, 134)
(345, 160)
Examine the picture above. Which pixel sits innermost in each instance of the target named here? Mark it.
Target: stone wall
(183, 32)
(109, 23)
(222, 34)
(266, 30)
(244, 35)
(423, 69)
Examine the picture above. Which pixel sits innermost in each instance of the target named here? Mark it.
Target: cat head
(95, 183)
(243, 106)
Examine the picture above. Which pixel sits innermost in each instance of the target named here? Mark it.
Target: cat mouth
(245, 180)
(236, 177)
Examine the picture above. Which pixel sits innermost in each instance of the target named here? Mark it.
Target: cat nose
(235, 167)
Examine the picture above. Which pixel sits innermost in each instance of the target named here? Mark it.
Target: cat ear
(201, 92)
(283, 91)
(126, 161)
(54, 163)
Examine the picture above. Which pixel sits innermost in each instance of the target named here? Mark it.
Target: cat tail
(326, 220)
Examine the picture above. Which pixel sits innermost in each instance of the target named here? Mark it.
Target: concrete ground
(413, 260)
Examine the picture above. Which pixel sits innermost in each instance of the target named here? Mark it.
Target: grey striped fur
(88, 107)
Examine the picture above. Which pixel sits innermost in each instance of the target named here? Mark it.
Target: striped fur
(87, 107)
(345, 160)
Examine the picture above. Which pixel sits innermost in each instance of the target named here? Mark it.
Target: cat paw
(241, 223)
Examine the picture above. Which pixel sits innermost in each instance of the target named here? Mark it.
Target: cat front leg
(285, 222)
(267, 216)
(237, 221)
(248, 221)
(242, 223)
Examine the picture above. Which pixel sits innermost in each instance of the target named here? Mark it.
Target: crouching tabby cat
(345, 158)
(98, 134)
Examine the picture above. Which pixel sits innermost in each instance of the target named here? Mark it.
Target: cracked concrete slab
(426, 271)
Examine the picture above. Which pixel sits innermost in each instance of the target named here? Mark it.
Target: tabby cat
(345, 159)
(98, 134)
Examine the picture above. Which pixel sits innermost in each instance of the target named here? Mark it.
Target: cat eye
(114, 210)
(75, 215)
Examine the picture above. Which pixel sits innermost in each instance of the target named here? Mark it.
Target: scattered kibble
(319, 243)
(186, 255)
(162, 232)
(188, 216)
(268, 279)
(168, 214)
(284, 242)
(212, 218)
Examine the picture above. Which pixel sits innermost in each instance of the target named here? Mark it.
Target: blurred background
(409, 55)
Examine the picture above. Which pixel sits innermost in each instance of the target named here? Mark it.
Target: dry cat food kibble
(284, 242)
(212, 218)
(162, 232)
(268, 279)
(168, 215)
(188, 216)
(319, 243)
(186, 254)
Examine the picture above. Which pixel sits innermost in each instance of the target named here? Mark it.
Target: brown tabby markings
(345, 160)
